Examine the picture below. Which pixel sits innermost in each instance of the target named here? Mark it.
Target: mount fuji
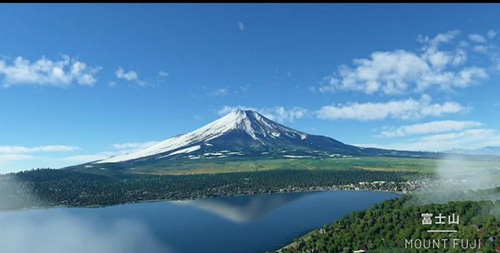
(241, 134)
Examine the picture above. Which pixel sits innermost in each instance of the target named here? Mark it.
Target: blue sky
(82, 82)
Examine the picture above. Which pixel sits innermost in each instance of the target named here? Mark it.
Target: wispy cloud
(87, 158)
(469, 138)
(117, 149)
(477, 38)
(46, 72)
(163, 74)
(243, 88)
(12, 156)
(430, 127)
(221, 92)
(227, 109)
(15, 157)
(400, 71)
(241, 26)
(491, 34)
(483, 49)
(134, 145)
(466, 135)
(396, 109)
(130, 75)
(49, 148)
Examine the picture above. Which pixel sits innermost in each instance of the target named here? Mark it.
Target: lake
(253, 223)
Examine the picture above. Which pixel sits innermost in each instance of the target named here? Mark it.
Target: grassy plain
(209, 166)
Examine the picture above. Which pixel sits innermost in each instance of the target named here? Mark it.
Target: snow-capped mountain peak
(253, 124)
(242, 133)
(246, 122)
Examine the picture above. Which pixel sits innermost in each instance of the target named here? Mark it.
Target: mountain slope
(239, 132)
(245, 139)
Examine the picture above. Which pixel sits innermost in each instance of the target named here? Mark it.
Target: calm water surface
(228, 224)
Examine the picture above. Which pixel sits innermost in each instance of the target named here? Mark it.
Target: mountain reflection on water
(243, 224)
(243, 209)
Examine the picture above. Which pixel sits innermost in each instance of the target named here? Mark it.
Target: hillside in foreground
(396, 226)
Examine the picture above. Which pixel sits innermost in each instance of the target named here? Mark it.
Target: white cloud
(227, 109)
(241, 26)
(430, 127)
(49, 148)
(399, 71)
(22, 161)
(397, 109)
(469, 139)
(119, 148)
(88, 158)
(469, 134)
(163, 74)
(130, 75)
(280, 114)
(220, 92)
(459, 58)
(483, 49)
(492, 34)
(477, 38)
(277, 113)
(467, 76)
(439, 39)
(15, 157)
(134, 145)
(12, 155)
(45, 72)
(244, 88)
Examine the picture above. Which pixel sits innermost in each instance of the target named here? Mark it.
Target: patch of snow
(181, 151)
(186, 150)
(213, 154)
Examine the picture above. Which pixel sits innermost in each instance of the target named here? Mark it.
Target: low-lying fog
(21, 232)
(463, 178)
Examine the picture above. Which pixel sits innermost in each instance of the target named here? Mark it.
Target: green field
(228, 165)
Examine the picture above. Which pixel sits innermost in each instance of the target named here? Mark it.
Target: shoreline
(186, 199)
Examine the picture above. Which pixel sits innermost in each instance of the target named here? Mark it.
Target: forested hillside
(387, 226)
(47, 187)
